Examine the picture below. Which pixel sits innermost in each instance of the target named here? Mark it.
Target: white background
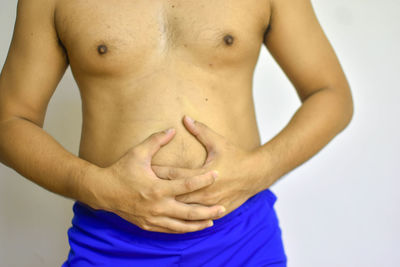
(341, 208)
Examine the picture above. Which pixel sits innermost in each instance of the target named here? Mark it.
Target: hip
(249, 234)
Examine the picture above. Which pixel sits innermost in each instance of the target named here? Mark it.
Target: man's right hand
(132, 190)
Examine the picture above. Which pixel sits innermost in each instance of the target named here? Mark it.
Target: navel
(102, 49)
(228, 39)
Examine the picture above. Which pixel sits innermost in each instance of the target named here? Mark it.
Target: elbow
(348, 109)
(339, 100)
(345, 105)
(350, 114)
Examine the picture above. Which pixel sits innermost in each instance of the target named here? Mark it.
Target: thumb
(154, 142)
(203, 133)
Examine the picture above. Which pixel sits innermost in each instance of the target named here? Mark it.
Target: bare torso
(142, 65)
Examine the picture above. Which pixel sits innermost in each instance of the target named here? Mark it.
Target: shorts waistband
(84, 214)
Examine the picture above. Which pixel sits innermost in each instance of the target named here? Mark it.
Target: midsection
(120, 112)
(141, 71)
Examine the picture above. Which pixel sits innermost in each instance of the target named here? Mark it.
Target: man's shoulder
(40, 8)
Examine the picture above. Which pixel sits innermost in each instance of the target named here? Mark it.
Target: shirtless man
(147, 196)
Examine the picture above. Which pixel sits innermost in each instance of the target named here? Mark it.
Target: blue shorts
(248, 236)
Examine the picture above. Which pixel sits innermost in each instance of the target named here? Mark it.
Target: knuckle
(172, 173)
(155, 211)
(181, 198)
(135, 151)
(155, 138)
(188, 184)
(138, 153)
(157, 170)
(157, 192)
(209, 199)
(191, 215)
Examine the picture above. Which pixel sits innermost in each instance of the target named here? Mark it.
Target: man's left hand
(238, 173)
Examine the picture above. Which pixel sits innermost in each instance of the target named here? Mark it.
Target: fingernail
(168, 130)
(189, 119)
(221, 211)
(211, 223)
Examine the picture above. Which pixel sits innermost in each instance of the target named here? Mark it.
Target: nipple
(102, 49)
(228, 39)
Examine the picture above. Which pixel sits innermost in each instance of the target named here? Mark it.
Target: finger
(154, 228)
(171, 173)
(189, 184)
(194, 197)
(148, 226)
(184, 211)
(155, 141)
(180, 226)
(202, 132)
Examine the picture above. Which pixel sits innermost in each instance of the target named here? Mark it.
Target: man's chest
(105, 35)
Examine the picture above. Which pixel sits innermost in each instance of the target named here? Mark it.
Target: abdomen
(118, 116)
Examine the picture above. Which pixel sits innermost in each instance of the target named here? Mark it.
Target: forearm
(29, 150)
(318, 120)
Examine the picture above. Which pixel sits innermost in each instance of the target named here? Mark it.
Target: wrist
(260, 169)
(89, 189)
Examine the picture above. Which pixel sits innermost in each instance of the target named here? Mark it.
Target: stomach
(119, 113)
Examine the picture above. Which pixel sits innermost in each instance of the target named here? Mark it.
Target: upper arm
(35, 63)
(300, 47)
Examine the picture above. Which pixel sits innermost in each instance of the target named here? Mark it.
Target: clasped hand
(170, 199)
(235, 182)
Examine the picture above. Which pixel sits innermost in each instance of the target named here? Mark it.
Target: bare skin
(141, 66)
